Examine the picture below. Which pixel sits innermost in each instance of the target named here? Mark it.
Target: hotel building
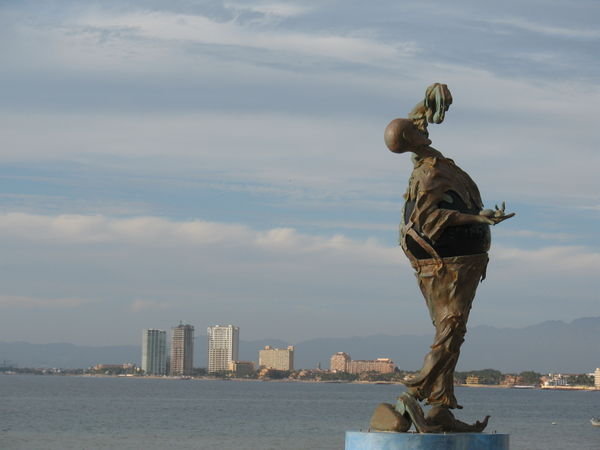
(223, 344)
(154, 352)
(340, 362)
(381, 365)
(182, 350)
(276, 358)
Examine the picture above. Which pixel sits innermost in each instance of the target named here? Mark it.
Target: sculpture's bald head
(401, 136)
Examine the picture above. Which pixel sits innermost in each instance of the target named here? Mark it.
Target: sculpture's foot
(443, 417)
(439, 419)
(386, 418)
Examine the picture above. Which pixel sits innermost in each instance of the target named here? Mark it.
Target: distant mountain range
(553, 346)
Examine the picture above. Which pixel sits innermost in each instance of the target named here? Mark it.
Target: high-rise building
(223, 343)
(182, 350)
(154, 352)
(276, 358)
(597, 378)
(340, 362)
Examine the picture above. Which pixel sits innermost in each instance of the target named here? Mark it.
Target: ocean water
(54, 412)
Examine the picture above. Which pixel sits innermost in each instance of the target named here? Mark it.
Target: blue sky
(223, 162)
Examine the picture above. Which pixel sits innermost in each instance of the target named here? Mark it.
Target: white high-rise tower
(223, 343)
(154, 352)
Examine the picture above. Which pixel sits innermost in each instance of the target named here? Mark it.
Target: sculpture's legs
(449, 290)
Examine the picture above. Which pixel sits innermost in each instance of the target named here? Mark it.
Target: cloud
(74, 229)
(148, 305)
(271, 9)
(260, 278)
(204, 30)
(153, 232)
(536, 234)
(13, 301)
(568, 261)
(549, 30)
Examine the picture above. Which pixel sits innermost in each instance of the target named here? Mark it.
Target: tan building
(182, 350)
(381, 365)
(597, 378)
(340, 362)
(511, 380)
(472, 379)
(241, 368)
(276, 358)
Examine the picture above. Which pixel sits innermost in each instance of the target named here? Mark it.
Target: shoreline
(287, 380)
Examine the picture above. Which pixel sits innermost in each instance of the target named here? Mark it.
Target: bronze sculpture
(445, 234)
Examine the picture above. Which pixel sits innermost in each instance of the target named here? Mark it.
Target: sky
(222, 162)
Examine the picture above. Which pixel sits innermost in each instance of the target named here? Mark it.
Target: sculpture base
(356, 440)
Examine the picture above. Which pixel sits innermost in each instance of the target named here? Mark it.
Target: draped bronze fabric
(431, 179)
(448, 284)
(449, 290)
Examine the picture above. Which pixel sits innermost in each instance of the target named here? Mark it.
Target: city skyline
(224, 162)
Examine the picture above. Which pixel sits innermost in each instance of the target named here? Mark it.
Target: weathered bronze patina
(445, 234)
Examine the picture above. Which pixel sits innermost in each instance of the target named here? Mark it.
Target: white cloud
(569, 261)
(14, 301)
(211, 272)
(158, 232)
(534, 234)
(271, 8)
(550, 30)
(148, 305)
(152, 232)
(204, 30)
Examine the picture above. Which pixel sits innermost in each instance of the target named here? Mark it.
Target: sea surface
(56, 412)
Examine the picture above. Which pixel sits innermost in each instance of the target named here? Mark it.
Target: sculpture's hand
(494, 216)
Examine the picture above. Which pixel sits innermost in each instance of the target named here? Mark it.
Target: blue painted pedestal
(357, 440)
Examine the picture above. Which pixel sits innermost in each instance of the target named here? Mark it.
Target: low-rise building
(241, 368)
(115, 368)
(512, 380)
(555, 379)
(472, 379)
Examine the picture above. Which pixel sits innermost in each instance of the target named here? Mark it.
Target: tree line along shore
(474, 378)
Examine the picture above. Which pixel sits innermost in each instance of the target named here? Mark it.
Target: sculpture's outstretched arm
(457, 219)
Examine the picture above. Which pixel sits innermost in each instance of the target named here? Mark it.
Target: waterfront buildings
(223, 344)
(182, 350)
(276, 358)
(340, 362)
(114, 367)
(154, 352)
(597, 378)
